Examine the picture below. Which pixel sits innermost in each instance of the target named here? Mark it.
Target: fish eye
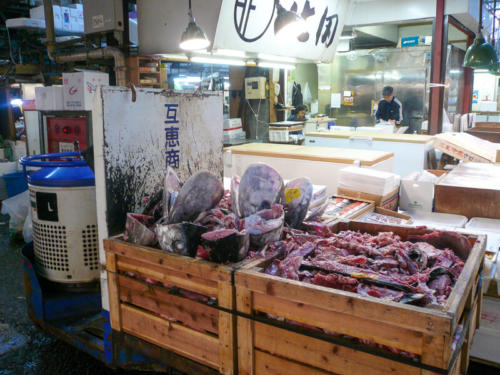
(179, 245)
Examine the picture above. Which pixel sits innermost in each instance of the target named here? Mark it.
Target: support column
(438, 68)
(468, 83)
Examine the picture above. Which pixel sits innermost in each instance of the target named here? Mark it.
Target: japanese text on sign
(172, 143)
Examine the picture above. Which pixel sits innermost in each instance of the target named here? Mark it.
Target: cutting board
(471, 189)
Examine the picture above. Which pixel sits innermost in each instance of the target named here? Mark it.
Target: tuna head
(201, 192)
(260, 188)
(295, 199)
(181, 238)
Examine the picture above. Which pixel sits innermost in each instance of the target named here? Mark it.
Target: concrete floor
(23, 349)
(26, 351)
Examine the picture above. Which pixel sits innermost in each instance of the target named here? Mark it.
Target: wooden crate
(153, 313)
(265, 348)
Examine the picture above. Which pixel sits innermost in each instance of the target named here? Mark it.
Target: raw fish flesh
(182, 238)
(260, 188)
(265, 226)
(137, 229)
(295, 199)
(226, 245)
(201, 192)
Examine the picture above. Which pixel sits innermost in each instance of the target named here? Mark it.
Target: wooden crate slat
(267, 364)
(466, 280)
(245, 334)
(324, 355)
(164, 304)
(405, 316)
(201, 347)
(227, 329)
(195, 267)
(382, 333)
(195, 284)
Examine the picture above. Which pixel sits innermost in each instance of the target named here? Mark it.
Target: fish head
(172, 238)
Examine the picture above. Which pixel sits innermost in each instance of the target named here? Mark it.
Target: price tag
(292, 194)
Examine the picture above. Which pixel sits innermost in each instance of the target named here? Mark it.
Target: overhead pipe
(100, 53)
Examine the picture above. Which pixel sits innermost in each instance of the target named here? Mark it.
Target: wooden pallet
(272, 350)
(151, 312)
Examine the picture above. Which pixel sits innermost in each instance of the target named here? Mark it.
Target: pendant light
(481, 54)
(193, 38)
(288, 24)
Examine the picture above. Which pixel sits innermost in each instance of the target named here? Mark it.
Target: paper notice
(335, 100)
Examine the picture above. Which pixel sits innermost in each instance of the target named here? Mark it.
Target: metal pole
(438, 68)
(468, 83)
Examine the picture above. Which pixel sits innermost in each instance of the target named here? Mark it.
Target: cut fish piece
(260, 188)
(265, 226)
(201, 192)
(181, 238)
(296, 198)
(171, 188)
(226, 245)
(235, 186)
(137, 229)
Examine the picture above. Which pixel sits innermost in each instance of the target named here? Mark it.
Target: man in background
(390, 108)
(300, 113)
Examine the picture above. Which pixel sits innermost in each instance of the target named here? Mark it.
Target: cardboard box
(66, 19)
(76, 18)
(327, 219)
(79, 89)
(406, 220)
(388, 201)
(49, 98)
(416, 195)
(39, 13)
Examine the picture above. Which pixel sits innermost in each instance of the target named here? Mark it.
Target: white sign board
(134, 142)
(248, 25)
(243, 25)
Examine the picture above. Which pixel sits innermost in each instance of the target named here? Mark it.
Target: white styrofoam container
(79, 89)
(49, 98)
(368, 181)
(76, 18)
(488, 225)
(66, 19)
(436, 220)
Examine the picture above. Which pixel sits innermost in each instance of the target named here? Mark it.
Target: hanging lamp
(193, 38)
(480, 54)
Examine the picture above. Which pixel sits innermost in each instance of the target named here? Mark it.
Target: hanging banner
(248, 25)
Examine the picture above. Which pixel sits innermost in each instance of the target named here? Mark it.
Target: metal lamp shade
(288, 24)
(194, 38)
(480, 55)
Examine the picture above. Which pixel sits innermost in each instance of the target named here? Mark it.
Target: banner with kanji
(142, 138)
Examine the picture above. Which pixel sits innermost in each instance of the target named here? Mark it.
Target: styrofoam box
(76, 18)
(39, 13)
(436, 220)
(488, 225)
(49, 98)
(66, 18)
(79, 89)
